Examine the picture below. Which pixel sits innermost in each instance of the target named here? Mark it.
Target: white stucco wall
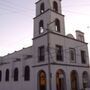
(55, 38)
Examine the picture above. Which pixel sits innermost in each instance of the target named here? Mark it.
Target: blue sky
(16, 22)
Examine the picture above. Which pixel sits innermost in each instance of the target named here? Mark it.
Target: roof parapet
(80, 35)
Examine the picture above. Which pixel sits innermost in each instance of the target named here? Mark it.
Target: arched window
(55, 6)
(85, 79)
(42, 8)
(7, 75)
(60, 80)
(16, 74)
(0, 76)
(41, 26)
(83, 56)
(57, 25)
(72, 54)
(74, 80)
(42, 80)
(27, 73)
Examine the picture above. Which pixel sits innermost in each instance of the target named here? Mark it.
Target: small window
(41, 53)
(83, 57)
(0, 76)
(55, 6)
(59, 53)
(26, 57)
(16, 74)
(41, 27)
(72, 54)
(42, 8)
(57, 25)
(7, 75)
(27, 73)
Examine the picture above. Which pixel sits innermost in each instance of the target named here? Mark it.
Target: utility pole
(48, 50)
(49, 67)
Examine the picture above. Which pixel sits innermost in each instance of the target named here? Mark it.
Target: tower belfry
(48, 16)
(48, 4)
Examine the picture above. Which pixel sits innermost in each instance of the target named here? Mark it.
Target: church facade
(55, 61)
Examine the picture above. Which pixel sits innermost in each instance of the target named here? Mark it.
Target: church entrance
(42, 80)
(74, 85)
(60, 80)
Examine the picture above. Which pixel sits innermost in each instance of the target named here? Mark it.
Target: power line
(76, 12)
(64, 51)
(16, 12)
(8, 11)
(12, 5)
(68, 48)
(65, 57)
(54, 53)
(12, 8)
(8, 7)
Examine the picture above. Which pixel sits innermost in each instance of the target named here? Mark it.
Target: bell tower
(48, 4)
(48, 17)
(48, 27)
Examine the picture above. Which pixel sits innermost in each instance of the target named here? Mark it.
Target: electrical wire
(64, 51)
(73, 12)
(9, 4)
(10, 7)
(14, 7)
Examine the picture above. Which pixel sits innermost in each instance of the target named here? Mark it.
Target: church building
(55, 61)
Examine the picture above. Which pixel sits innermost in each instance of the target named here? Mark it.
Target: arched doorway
(7, 75)
(85, 79)
(42, 80)
(27, 73)
(60, 80)
(16, 74)
(74, 80)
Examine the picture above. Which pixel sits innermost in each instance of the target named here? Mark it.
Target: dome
(70, 36)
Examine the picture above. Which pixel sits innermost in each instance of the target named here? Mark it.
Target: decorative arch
(16, 74)
(41, 26)
(42, 7)
(57, 25)
(85, 79)
(55, 6)
(74, 80)
(60, 80)
(7, 75)
(27, 73)
(42, 80)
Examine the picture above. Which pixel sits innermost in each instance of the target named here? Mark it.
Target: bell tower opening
(57, 25)
(55, 6)
(42, 8)
(41, 27)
